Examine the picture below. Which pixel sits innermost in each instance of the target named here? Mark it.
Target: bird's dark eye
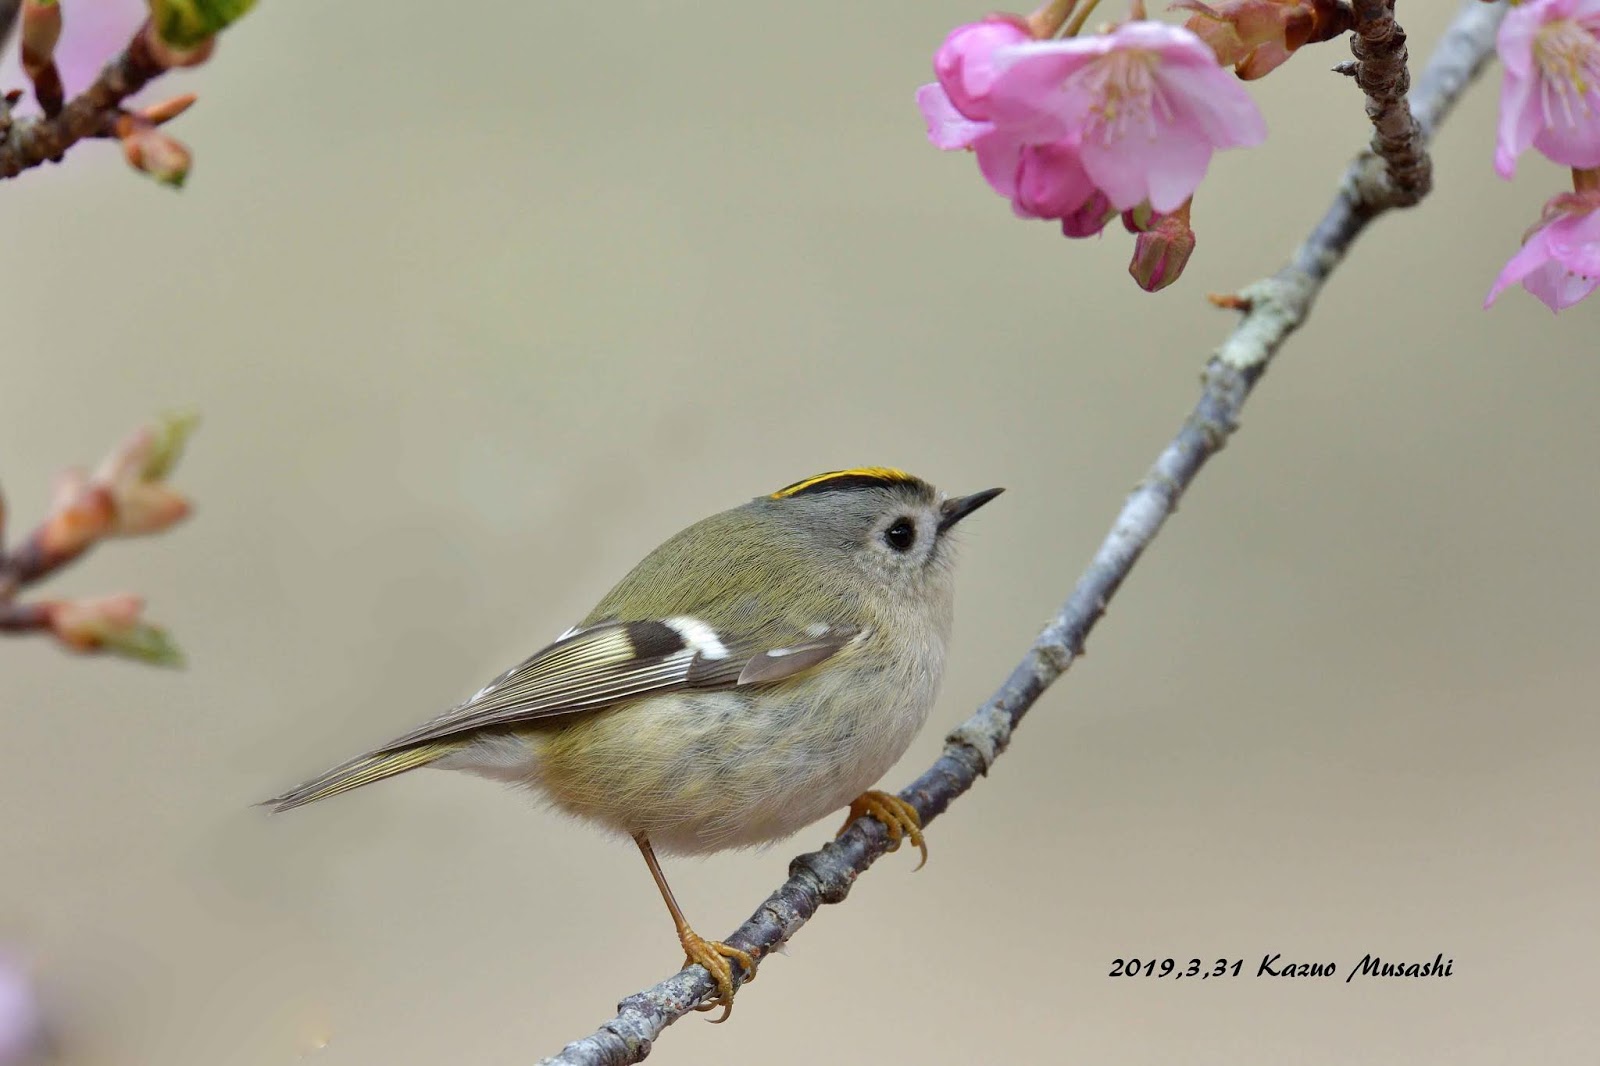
(902, 535)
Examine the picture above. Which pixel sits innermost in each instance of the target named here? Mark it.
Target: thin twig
(23, 617)
(1379, 45)
(127, 495)
(32, 141)
(1273, 309)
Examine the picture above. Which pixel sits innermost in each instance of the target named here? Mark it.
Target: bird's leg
(898, 817)
(714, 955)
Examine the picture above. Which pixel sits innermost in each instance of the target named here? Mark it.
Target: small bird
(763, 667)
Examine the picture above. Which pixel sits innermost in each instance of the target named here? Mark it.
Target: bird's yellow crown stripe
(886, 474)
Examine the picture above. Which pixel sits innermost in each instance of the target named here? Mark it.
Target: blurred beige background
(480, 307)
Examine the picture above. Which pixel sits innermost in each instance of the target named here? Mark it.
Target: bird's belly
(700, 772)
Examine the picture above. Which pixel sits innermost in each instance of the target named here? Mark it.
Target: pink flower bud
(1161, 252)
(1090, 218)
(965, 62)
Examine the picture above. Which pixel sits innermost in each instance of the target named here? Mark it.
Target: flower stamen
(1568, 58)
(1125, 93)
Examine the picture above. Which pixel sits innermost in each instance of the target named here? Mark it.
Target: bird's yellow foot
(714, 955)
(898, 817)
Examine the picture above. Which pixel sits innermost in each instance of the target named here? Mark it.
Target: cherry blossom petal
(1519, 122)
(1212, 100)
(1530, 257)
(1576, 143)
(948, 128)
(1165, 170)
(1557, 287)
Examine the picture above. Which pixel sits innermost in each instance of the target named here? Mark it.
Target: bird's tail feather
(362, 770)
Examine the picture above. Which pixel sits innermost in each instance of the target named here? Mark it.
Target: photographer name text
(1277, 966)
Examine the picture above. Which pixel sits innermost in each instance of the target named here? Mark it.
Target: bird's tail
(362, 770)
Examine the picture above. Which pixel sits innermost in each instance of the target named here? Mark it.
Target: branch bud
(154, 152)
(171, 435)
(167, 110)
(187, 24)
(41, 30)
(133, 476)
(111, 624)
(80, 514)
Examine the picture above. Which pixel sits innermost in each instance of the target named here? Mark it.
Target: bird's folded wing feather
(611, 662)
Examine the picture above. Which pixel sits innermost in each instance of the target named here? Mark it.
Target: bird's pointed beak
(956, 508)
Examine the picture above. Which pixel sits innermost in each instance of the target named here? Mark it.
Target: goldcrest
(759, 670)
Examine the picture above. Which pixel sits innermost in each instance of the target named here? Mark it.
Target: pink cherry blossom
(1560, 260)
(1041, 179)
(1146, 104)
(947, 128)
(1550, 94)
(956, 106)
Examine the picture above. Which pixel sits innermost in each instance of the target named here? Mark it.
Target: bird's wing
(612, 662)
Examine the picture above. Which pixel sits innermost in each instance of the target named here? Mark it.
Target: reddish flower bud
(1255, 37)
(1161, 252)
(1090, 219)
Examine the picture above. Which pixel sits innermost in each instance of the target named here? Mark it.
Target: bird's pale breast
(700, 772)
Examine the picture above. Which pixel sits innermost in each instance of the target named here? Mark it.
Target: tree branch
(98, 110)
(31, 141)
(1273, 308)
(1379, 45)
